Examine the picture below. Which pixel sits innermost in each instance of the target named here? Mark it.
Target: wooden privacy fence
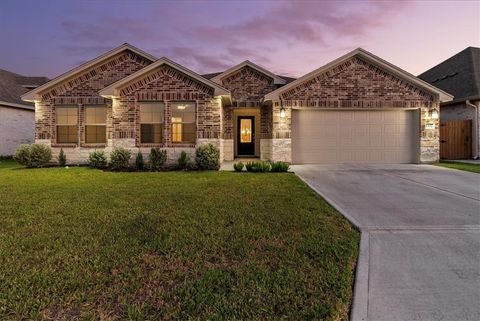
(456, 139)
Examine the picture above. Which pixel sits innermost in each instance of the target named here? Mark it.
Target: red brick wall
(353, 84)
(248, 87)
(357, 83)
(166, 84)
(83, 89)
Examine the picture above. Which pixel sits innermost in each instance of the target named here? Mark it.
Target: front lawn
(475, 168)
(85, 244)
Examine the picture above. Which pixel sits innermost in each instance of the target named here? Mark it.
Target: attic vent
(30, 86)
(445, 77)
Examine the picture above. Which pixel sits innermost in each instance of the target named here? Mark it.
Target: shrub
(120, 158)
(157, 158)
(183, 160)
(258, 166)
(97, 159)
(280, 167)
(34, 155)
(139, 163)
(207, 157)
(62, 158)
(238, 167)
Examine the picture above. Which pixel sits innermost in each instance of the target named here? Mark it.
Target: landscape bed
(81, 243)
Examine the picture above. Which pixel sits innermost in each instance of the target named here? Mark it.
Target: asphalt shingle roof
(12, 86)
(458, 75)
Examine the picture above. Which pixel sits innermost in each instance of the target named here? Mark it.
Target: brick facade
(248, 87)
(356, 83)
(353, 83)
(82, 90)
(167, 85)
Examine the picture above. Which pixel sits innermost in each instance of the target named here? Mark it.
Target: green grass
(83, 244)
(475, 168)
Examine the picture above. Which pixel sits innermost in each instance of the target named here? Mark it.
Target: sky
(291, 38)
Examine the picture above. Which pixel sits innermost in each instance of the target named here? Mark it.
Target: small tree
(97, 159)
(183, 160)
(62, 158)
(157, 158)
(139, 164)
(120, 158)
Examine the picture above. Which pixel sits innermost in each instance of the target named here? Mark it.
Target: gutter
(475, 130)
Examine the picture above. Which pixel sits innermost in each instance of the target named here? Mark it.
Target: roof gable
(33, 94)
(458, 75)
(368, 57)
(276, 79)
(114, 89)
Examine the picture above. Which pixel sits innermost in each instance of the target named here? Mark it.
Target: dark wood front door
(456, 139)
(246, 136)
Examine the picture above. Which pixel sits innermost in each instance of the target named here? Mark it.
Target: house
(17, 117)
(358, 108)
(460, 126)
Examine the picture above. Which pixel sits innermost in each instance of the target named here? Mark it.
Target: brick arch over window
(356, 83)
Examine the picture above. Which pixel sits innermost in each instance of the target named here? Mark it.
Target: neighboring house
(358, 108)
(17, 117)
(460, 76)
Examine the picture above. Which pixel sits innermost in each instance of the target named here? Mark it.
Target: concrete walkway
(420, 246)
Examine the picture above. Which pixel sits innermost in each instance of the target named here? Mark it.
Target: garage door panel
(373, 136)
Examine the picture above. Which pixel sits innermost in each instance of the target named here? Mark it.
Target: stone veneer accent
(228, 150)
(266, 149)
(356, 83)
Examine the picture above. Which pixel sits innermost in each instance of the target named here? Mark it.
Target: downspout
(475, 151)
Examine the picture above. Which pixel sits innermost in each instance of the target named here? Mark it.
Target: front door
(246, 136)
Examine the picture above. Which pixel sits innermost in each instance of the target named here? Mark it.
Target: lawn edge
(359, 307)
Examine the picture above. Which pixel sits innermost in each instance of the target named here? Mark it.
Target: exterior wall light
(282, 112)
(433, 114)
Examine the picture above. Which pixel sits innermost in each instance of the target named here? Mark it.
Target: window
(151, 122)
(183, 122)
(95, 124)
(67, 121)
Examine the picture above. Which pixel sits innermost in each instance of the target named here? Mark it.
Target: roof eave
(31, 95)
(276, 79)
(110, 91)
(441, 95)
(15, 105)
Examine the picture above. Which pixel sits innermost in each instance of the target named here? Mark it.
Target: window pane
(185, 110)
(151, 112)
(66, 115)
(151, 133)
(67, 134)
(189, 133)
(95, 115)
(95, 134)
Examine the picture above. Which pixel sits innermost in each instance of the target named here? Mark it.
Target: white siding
(17, 126)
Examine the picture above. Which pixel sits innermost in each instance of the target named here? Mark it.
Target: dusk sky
(47, 38)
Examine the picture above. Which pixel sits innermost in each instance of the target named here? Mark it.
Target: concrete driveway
(420, 248)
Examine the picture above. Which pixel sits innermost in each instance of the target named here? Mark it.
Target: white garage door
(347, 136)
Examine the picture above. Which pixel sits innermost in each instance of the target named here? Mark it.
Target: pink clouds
(288, 37)
(210, 47)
